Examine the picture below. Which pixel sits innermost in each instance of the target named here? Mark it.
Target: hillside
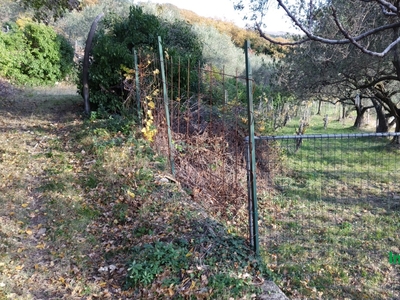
(238, 35)
(89, 212)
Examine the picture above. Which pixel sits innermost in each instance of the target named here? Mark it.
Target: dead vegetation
(210, 158)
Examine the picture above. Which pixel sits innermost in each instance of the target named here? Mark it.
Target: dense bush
(113, 52)
(182, 43)
(34, 54)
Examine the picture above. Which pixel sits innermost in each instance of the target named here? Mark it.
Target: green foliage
(232, 58)
(112, 49)
(220, 282)
(10, 43)
(76, 25)
(66, 54)
(212, 261)
(150, 261)
(34, 54)
(45, 10)
(115, 42)
(185, 51)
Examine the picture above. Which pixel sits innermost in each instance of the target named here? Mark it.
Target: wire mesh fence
(207, 112)
(329, 208)
(329, 205)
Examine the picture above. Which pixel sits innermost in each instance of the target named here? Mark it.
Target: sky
(223, 9)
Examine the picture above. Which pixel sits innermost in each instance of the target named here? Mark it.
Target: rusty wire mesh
(208, 124)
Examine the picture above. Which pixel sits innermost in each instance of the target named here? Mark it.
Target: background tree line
(124, 28)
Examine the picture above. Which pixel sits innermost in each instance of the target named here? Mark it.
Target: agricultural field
(328, 227)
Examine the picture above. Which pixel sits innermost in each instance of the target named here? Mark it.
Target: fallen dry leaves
(76, 199)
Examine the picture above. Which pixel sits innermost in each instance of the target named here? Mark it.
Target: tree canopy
(328, 64)
(46, 10)
(345, 16)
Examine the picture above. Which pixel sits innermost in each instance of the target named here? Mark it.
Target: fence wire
(208, 124)
(329, 208)
(329, 205)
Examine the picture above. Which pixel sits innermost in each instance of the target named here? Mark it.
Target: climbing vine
(148, 93)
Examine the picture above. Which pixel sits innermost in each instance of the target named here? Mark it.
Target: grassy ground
(329, 227)
(87, 211)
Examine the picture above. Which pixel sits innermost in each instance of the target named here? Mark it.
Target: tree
(339, 75)
(338, 32)
(9, 12)
(345, 16)
(45, 10)
(75, 25)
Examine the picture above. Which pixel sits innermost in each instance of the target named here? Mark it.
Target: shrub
(114, 45)
(33, 54)
(112, 52)
(12, 46)
(152, 260)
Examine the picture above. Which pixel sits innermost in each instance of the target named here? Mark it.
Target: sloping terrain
(88, 211)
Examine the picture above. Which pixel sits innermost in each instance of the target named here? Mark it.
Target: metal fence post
(165, 94)
(249, 190)
(139, 113)
(253, 211)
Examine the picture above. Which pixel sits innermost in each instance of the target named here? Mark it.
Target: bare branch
(388, 13)
(269, 39)
(358, 45)
(310, 17)
(389, 6)
(376, 81)
(348, 39)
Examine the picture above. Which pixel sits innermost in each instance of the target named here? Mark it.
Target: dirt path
(32, 126)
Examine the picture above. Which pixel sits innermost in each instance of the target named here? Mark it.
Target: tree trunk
(396, 139)
(85, 71)
(343, 111)
(319, 107)
(360, 118)
(382, 125)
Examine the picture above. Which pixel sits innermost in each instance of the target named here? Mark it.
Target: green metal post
(165, 94)
(251, 154)
(249, 191)
(138, 107)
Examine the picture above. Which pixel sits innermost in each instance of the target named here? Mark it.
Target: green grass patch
(331, 221)
(202, 260)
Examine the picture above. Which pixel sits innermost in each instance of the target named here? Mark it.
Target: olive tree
(348, 48)
(345, 16)
(45, 10)
(328, 74)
